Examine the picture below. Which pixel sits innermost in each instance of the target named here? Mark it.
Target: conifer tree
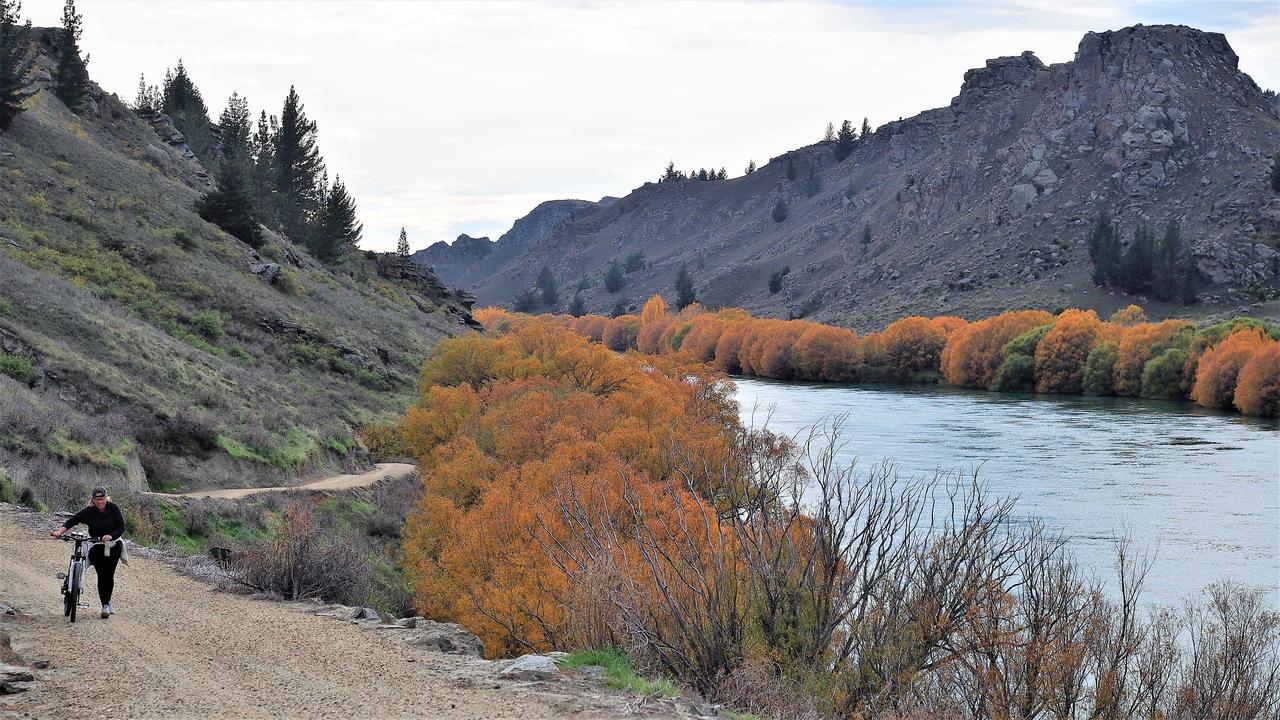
(1166, 266)
(237, 128)
(15, 61)
(262, 177)
(845, 141)
(338, 231)
(547, 287)
(671, 174)
(685, 294)
(297, 168)
(619, 309)
(1104, 250)
(578, 307)
(230, 207)
(866, 130)
(1136, 266)
(751, 167)
(614, 280)
(723, 174)
(182, 102)
(402, 248)
(148, 97)
(780, 210)
(866, 236)
(71, 81)
(830, 134)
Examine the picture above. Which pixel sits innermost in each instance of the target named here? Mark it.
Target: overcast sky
(452, 118)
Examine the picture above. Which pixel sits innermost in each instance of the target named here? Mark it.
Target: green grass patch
(209, 323)
(296, 446)
(71, 450)
(18, 368)
(618, 673)
(175, 530)
(6, 307)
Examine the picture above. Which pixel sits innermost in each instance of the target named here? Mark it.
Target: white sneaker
(106, 611)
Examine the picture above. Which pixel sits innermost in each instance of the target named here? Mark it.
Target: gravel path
(180, 649)
(336, 482)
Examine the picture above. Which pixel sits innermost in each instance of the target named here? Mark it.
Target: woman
(105, 521)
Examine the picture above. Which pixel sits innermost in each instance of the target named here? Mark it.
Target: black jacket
(107, 521)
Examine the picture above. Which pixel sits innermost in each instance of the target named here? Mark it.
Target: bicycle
(73, 578)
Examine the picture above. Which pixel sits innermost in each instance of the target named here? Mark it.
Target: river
(1198, 489)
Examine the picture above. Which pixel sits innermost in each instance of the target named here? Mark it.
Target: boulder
(530, 667)
(444, 637)
(1021, 197)
(266, 271)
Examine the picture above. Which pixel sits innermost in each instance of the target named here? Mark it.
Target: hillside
(142, 346)
(970, 209)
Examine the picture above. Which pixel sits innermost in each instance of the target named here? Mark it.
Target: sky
(448, 118)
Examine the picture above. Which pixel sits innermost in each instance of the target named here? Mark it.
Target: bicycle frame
(73, 580)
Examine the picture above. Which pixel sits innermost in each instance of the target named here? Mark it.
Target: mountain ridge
(973, 207)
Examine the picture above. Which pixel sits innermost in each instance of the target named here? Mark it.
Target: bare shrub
(299, 562)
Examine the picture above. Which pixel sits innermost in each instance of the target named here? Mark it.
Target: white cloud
(447, 118)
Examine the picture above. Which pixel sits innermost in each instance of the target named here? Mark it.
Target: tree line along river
(1198, 489)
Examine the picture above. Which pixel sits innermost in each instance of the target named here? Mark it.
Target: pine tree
(865, 133)
(237, 139)
(619, 309)
(338, 231)
(578, 307)
(775, 279)
(844, 141)
(1166, 266)
(614, 280)
(297, 168)
(15, 61)
(525, 301)
(182, 102)
(547, 287)
(1104, 250)
(671, 174)
(685, 294)
(830, 134)
(751, 167)
(230, 205)
(866, 236)
(723, 174)
(780, 210)
(148, 97)
(71, 81)
(262, 177)
(1136, 266)
(402, 248)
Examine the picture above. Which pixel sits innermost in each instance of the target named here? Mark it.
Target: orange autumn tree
(1258, 385)
(827, 353)
(503, 427)
(1061, 353)
(973, 356)
(912, 345)
(1138, 345)
(654, 319)
(1219, 368)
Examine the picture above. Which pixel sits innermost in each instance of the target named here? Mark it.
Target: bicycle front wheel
(73, 602)
(68, 604)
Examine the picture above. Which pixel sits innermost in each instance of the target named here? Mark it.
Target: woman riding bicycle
(105, 521)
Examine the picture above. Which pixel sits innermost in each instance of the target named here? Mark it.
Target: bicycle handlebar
(81, 538)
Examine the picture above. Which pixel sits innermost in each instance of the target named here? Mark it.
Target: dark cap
(99, 491)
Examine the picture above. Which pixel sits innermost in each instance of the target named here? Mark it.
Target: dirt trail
(180, 649)
(336, 482)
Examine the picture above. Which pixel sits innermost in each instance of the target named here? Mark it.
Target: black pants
(105, 567)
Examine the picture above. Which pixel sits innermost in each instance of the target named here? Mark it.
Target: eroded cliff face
(972, 208)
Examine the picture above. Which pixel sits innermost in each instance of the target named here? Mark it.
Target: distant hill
(971, 209)
(141, 345)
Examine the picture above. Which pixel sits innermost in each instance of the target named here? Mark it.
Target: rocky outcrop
(1152, 124)
(428, 291)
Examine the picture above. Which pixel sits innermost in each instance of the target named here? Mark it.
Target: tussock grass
(619, 674)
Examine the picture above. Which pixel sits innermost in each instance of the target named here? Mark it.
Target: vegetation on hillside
(578, 498)
(1073, 352)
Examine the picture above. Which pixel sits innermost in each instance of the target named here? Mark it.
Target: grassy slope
(143, 322)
